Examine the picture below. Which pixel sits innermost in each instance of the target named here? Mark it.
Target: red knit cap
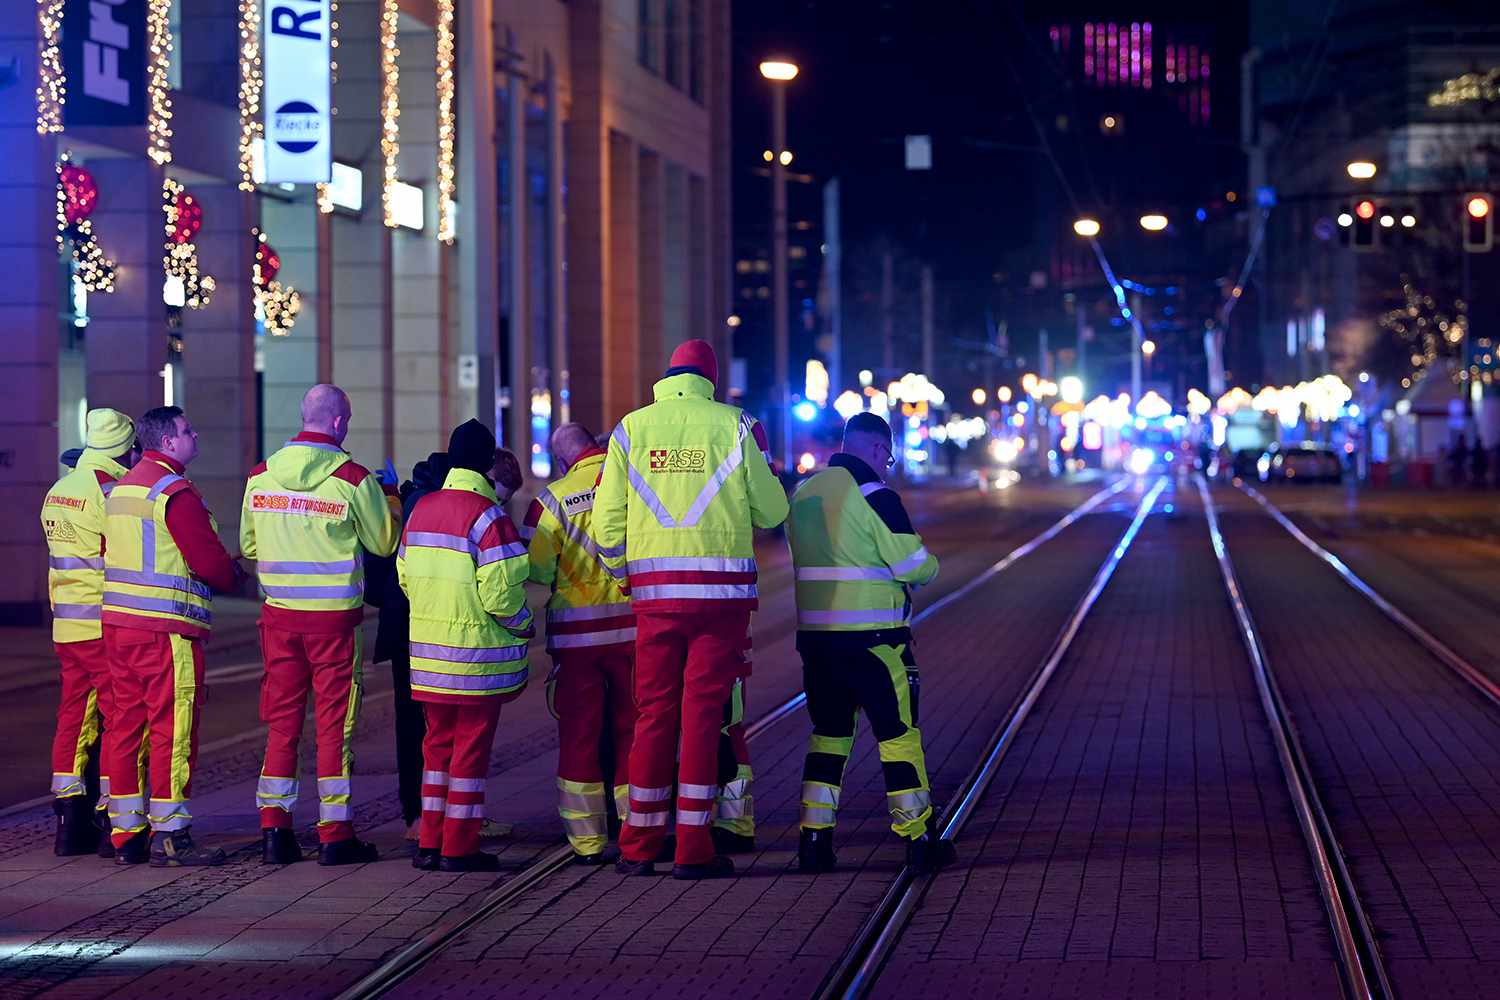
(697, 354)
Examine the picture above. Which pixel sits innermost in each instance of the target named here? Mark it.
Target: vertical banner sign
(104, 57)
(298, 92)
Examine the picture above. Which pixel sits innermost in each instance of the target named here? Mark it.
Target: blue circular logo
(296, 127)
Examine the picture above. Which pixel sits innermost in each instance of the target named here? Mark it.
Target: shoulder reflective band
(869, 488)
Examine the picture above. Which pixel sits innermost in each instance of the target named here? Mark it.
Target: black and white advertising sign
(104, 57)
(298, 92)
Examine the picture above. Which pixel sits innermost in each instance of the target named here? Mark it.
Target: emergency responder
(73, 521)
(463, 567)
(684, 481)
(162, 561)
(309, 514)
(856, 558)
(591, 636)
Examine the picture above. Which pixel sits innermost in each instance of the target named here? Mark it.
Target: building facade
(528, 206)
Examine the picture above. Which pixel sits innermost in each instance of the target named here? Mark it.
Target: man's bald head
(326, 410)
(569, 441)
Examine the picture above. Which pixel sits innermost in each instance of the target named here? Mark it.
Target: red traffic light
(1478, 206)
(1365, 209)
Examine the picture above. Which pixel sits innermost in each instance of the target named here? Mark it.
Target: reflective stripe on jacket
(73, 521)
(854, 565)
(309, 514)
(463, 567)
(147, 582)
(684, 483)
(588, 606)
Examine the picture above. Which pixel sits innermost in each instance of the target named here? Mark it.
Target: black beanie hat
(472, 446)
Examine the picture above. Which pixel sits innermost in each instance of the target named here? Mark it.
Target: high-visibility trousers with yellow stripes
(329, 667)
(844, 677)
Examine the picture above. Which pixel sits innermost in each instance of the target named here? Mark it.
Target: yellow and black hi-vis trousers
(875, 673)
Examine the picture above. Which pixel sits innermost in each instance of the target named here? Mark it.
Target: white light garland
(390, 103)
(324, 192)
(252, 81)
(180, 260)
(158, 96)
(445, 119)
(52, 82)
(95, 271)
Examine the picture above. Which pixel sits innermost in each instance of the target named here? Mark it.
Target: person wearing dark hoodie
(310, 512)
(391, 637)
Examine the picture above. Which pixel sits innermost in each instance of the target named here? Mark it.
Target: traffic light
(1365, 235)
(1479, 223)
(1346, 224)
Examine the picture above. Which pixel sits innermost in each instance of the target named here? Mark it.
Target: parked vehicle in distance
(1240, 464)
(1308, 462)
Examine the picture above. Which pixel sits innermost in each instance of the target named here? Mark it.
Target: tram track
(407, 961)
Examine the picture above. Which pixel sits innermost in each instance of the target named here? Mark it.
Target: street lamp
(1360, 170)
(1086, 227)
(1148, 347)
(978, 396)
(1003, 394)
(1153, 222)
(780, 72)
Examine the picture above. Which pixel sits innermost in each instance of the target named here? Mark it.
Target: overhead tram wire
(859, 966)
(1361, 967)
(405, 962)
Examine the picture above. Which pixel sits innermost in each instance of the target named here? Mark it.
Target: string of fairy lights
(158, 94)
(252, 82)
(390, 106)
(325, 191)
(184, 217)
(445, 90)
(52, 83)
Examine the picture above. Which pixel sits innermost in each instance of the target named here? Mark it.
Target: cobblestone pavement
(1138, 840)
(772, 931)
(81, 927)
(1405, 755)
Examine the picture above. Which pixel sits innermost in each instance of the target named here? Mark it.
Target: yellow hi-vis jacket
(588, 606)
(463, 567)
(309, 513)
(855, 552)
(73, 520)
(147, 581)
(684, 483)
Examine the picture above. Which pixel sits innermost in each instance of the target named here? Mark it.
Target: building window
(670, 11)
(647, 50)
(695, 49)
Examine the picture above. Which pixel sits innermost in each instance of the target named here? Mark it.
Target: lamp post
(780, 72)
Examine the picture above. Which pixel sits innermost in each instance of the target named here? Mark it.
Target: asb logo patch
(298, 503)
(678, 460)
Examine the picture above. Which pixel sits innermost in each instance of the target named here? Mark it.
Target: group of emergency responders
(646, 545)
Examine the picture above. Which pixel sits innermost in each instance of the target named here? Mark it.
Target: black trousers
(411, 729)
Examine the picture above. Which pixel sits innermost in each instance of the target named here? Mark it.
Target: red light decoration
(267, 263)
(188, 220)
(80, 193)
(1478, 207)
(1365, 209)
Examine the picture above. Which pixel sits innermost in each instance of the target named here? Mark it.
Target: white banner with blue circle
(298, 92)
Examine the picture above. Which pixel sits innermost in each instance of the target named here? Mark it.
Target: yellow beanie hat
(109, 431)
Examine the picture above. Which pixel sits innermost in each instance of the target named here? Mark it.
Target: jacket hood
(304, 465)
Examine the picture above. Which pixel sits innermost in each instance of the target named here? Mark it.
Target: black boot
(629, 868)
(101, 823)
(175, 849)
(716, 867)
(425, 859)
(350, 851)
(137, 850)
(476, 862)
(76, 832)
(927, 853)
(815, 852)
(278, 846)
(728, 842)
(588, 860)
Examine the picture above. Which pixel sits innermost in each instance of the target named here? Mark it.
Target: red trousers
(455, 764)
(328, 666)
(156, 679)
(685, 668)
(81, 711)
(593, 688)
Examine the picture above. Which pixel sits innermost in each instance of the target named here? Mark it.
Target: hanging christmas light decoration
(276, 305)
(324, 191)
(184, 217)
(52, 89)
(445, 119)
(77, 195)
(158, 95)
(1427, 332)
(252, 81)
(390, 104)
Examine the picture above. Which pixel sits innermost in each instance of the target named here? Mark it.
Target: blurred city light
(1148, 347)
(1478, 207)
(1365, 209)
(1002, 394)
(865, 377)
(733, 321)
(805, 412)
(1087, 228)
(1345, 220)
(1141, 460)
(1070, 387)
(848, 404)
(1154, 222)
(778, 69)
(978, 396)
(1028, 384)
(786, 157)
(815, 382)
(806, 462)
(1361, 170)
(1408, 221)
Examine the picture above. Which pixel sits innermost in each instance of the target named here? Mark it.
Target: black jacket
(382, 587)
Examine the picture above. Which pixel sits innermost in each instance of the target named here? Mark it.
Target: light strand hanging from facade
(77, 195)
(52, 82)
(276, 304)
(252, 81)
(445, 221)
(184, 217)
(390, 104)
(324, 191)
(158, 94)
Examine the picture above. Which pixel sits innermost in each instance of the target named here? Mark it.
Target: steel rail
(1360, 964)
(856, 971)
(1475, 677)
(409, 959)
